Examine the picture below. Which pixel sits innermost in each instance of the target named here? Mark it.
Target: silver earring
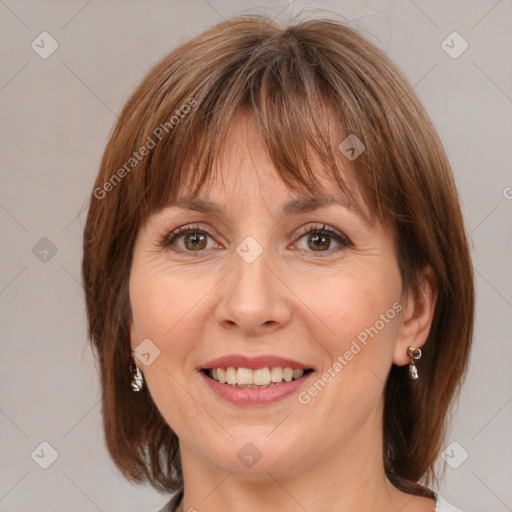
(414, 353)
(138, 379)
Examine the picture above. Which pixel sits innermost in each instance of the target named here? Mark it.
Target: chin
(255, 455)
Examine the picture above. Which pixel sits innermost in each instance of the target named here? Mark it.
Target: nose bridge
(253, 296)
(251, 285)
(251, 262)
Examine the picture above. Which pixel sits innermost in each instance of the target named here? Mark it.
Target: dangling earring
(138, 379)
(414, 353)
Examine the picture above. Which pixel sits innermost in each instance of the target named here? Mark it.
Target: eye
(194, 239)
(319, 239)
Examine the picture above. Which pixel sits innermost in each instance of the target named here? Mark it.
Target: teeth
(231, 376)
(288, 374)
(243, 376)
(298, 373)
(276, 374)
(247, 378)
(261, 377)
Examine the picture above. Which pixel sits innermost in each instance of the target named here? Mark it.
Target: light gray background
(56, 116)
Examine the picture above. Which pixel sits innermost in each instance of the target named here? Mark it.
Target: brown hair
(298, 81)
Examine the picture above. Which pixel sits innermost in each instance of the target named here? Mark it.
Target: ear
(416, 317)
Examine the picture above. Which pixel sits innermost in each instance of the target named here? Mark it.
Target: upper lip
(240, 361)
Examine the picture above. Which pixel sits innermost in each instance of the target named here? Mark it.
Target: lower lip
(251, 396)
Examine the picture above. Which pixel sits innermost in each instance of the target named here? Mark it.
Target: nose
(253, 297)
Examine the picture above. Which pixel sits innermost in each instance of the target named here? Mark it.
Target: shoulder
(443, 506)
(172, 504)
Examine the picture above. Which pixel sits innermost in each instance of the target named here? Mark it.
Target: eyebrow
(297, 205)
(294, 206)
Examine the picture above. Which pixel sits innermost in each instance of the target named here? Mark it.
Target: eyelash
(171, 237)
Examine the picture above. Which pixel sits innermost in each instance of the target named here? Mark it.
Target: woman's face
(251, 281)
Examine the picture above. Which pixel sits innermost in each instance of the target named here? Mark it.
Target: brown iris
(195, 240)
(319, 241)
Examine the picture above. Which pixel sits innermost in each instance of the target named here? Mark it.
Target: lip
(253, 363)
(255, 397)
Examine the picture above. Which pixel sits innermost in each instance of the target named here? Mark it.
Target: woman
(278, 282)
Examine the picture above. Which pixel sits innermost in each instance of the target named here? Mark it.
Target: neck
(347, 478)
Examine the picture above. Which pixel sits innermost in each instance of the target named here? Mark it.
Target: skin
(295, 301)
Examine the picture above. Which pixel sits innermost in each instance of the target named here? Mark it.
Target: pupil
(320, 241)
(194, 238)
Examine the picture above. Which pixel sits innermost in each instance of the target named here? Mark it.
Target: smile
(247, 378)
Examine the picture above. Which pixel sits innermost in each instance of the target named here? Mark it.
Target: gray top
(172, 505)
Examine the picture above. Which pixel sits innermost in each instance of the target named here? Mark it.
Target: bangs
(298, 111)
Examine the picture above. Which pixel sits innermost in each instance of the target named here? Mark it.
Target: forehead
(247, 168)
(225, 203)
(243, 165)
(219, 196)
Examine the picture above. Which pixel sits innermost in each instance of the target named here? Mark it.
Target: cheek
(163, 312)
(169, 310)
(353, 300)
(161, 305)
(360, 312)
